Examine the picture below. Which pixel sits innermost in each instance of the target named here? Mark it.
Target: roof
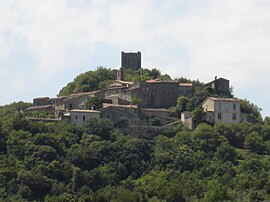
(159, 81)
(84, 93)
(186, 84)
(216, 80)
(124, 82)
(116, 87)
(132, 88)
(41, 98)
(84, 111)
(153, 81)
(76, 95)
(221, 99)
(39, 107)
(107, 105)
(155, 110)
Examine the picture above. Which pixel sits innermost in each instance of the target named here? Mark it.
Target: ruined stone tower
(120, 74)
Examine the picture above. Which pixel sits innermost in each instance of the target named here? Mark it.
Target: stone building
(79, 117)
(119, 113)
(222, 110)
(186, 118)
(158, 94)
(78, 100)
(58, 102)
(221, 85)
(131, 60)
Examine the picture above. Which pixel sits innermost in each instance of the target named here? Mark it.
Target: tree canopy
(62, 162)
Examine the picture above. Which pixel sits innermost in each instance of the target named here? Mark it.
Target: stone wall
(131, 60)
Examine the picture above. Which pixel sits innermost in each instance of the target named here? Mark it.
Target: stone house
(158, 94)
(221, 85)
(119, 113)
(79, 117)
(78, 100)
(222, 110)
(186, 89)
(57, 102)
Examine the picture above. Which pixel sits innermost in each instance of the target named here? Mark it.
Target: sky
(45, 44)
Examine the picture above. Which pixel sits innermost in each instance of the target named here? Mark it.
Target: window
(70, 106)
(234, 106)
(83, 118)
(219, 116)
(219, 106)
(227, 106)
(234, 116)
(76, 117)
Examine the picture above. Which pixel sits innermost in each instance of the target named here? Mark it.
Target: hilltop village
(136, 102)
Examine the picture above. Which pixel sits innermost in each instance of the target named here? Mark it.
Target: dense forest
(96, 162)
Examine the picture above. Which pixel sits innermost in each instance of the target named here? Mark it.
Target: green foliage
(93, 103)
(135, 100)
(198, 114)
(250, 108)
(62, 162)
(254, 142)
(89, 81)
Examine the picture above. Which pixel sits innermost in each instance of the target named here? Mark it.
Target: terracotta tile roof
(115, 85)
(124, 82)
(84, 111)
(186, 84)
(159, 81)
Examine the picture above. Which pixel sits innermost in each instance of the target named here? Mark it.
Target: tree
(250, 108)
(254, 142)
(135, 100)
(182, 102)
(99, 127)
(89, 81)
(198, 114)
(93, 103)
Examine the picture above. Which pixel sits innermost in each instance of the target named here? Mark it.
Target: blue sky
(46, 43)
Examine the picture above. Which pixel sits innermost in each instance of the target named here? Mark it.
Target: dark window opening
(219, 116)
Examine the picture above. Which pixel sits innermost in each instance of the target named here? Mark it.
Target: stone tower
(120, 74)
(131, 60)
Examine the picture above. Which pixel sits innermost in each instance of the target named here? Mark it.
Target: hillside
(96, 162)
(61, 162)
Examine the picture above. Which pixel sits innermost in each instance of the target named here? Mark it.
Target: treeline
(62, 162)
